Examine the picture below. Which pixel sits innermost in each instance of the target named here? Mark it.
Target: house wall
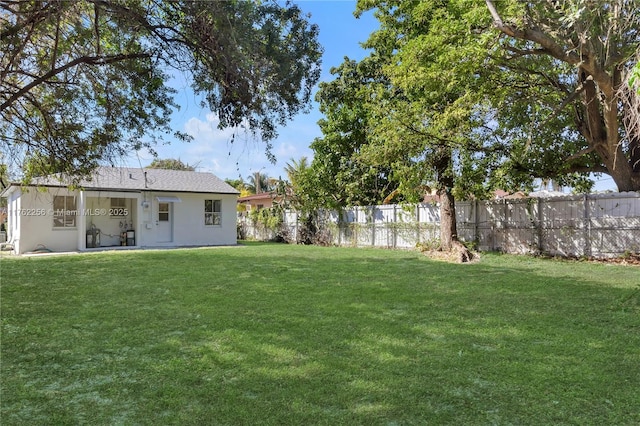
(31, 220)
(187, 217)
(34, 226)
(13, 219)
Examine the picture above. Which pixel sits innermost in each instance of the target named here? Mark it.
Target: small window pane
(58, 203)
(163, 212)
(118, 207)
(118, 203)
(71, 203)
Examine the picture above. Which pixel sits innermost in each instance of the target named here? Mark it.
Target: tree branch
(580, 153)
(33, 18)
(90, 60)
(521, 52)
(548, 44)
(564, 103)
(536, 36)
(589, 169)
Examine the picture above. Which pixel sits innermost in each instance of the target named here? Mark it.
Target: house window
(212, 212)
(118, 207)
(64, 211)
(163, 212)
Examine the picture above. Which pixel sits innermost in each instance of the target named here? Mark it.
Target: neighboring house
(122, 207)
(263, 200)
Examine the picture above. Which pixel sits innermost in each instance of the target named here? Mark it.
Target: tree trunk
(448, 226)
(602, 131)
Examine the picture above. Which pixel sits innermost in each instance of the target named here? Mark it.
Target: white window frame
(212, 212)
(118, 205)
(65, 217)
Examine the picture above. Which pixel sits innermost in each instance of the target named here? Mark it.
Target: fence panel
(601, 225)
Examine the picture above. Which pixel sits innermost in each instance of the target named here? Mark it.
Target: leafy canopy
(86, 82)
(171, 164)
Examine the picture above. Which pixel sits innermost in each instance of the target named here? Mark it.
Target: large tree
(583, 50)
(86, 81)
(548, 79)
(340, 175)
(427, 122)
(471, 108)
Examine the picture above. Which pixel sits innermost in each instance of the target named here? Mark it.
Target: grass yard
(278, 335)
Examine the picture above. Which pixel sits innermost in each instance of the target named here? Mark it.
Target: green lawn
(278, 334)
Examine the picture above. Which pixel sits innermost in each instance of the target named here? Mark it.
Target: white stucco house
(122, 207)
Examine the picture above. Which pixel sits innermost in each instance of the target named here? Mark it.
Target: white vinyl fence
(602, 225)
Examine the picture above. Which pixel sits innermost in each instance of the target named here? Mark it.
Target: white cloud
(287, 151)
(219, 152)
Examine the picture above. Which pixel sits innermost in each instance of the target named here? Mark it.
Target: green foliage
(238, 184)
(635, 78)
(270, 219)
(506, 99)
(565, 65)
(426, 123)
(339, 176)
(4, 177)
(293, 191)
(295, 171)
(171, 164)
(86, 82)
(259, 183)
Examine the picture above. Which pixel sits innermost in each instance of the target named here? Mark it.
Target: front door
(164, 223)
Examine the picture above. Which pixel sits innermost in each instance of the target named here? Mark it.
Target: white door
(164, 223)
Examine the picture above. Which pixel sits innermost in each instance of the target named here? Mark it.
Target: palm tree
(264, 183)
(295, 169)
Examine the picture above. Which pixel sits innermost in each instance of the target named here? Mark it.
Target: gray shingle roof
(134, 179)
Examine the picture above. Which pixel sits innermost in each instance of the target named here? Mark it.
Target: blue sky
(340, 35)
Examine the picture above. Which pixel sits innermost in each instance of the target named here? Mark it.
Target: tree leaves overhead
(341, 176)
(583, 50)
(434, 105)
(545, 80)
(87, 81)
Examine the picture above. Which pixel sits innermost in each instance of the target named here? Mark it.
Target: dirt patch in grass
(632, 259)
(452, 256)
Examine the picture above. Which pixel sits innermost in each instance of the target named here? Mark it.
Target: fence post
(355, 228)
(338, 220)
(539, 226)
(505, 226)
(372, 210)
(587, 226)
(417, 224)
(394, 241)
(476, 237)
